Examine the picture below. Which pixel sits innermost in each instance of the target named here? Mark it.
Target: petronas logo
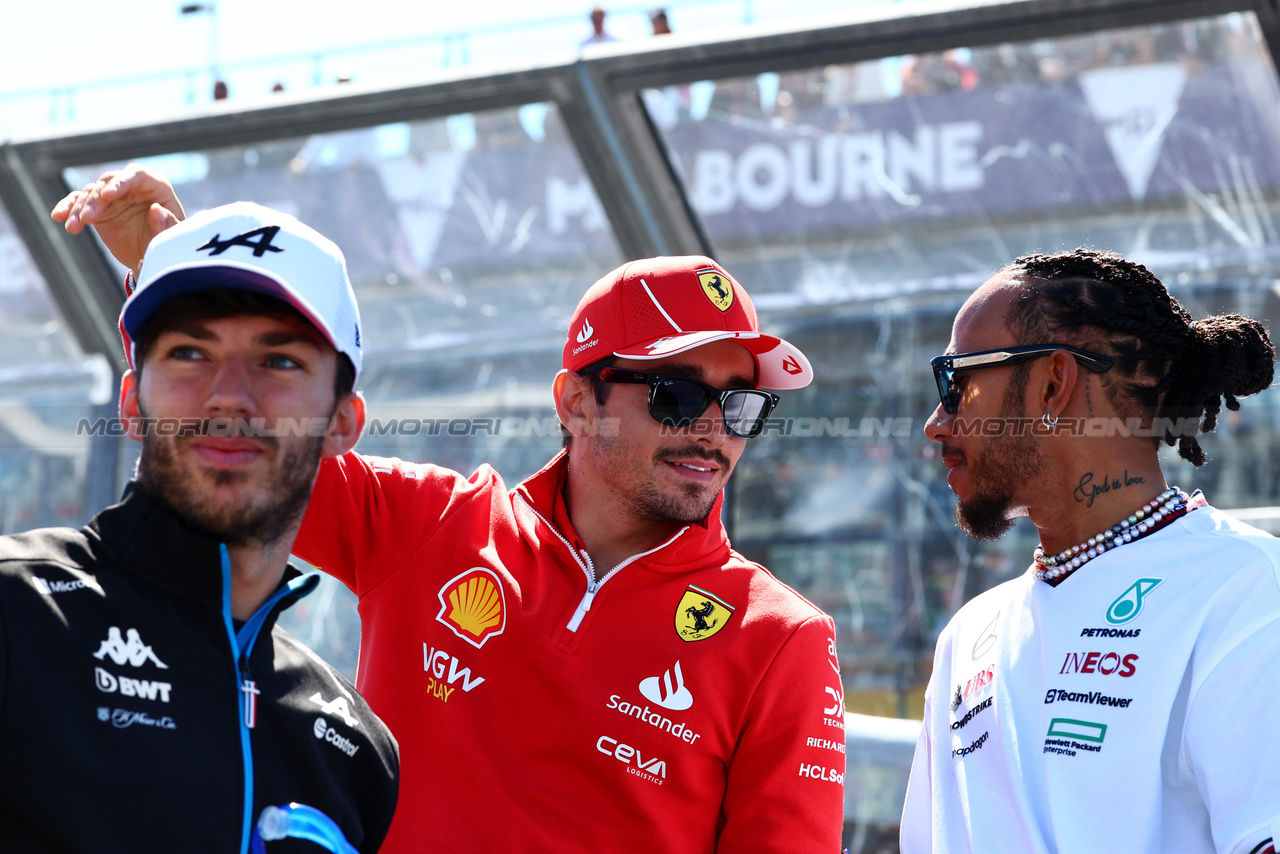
(1129, 603)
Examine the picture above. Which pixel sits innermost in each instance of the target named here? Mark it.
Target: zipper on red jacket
(588, 568)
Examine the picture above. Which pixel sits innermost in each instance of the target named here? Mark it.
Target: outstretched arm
(128, 208)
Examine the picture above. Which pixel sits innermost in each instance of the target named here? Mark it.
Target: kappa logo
(261, 246)
(586, 332)
(473, 606)
(719, 291)
(986, 639)
(338, 706)
(1128, 604)
(701, 614)
(668, 692)
(133, 651)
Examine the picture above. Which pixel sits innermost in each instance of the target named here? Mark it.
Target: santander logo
(667, 692)
(586, 332)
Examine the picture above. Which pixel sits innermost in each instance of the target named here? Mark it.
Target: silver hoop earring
(1049, 423)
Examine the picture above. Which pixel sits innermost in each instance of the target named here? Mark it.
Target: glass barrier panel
(861, 204)
(469, 240)
(56, 457)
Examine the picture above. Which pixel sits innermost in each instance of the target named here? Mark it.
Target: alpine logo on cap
(791, 366)
(260, 247)
(717, 288)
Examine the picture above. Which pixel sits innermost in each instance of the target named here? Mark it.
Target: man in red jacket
(583, 663)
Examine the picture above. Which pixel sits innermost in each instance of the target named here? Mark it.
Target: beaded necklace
(1154, 515)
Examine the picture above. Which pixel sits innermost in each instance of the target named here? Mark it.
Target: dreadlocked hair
(1170, 370)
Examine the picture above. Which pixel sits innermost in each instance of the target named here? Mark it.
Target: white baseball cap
(249, 247)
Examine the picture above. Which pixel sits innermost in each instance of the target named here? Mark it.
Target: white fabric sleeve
(1232, 742)
(916, 833)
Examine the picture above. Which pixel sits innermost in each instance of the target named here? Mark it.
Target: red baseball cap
(657, 307)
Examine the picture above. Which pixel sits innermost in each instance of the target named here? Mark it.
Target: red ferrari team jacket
(684, 702)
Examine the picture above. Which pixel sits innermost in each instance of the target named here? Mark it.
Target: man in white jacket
(1119, 695)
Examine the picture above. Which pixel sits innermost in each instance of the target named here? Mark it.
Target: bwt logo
(142, 688)
(1105, 663)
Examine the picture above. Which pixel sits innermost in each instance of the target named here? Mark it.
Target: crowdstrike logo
(668, 693)
(133, 651)
(964, 721)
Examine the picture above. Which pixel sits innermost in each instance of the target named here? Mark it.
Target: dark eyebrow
(200, 332)
(280, 339)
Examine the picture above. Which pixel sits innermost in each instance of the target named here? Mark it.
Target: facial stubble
(255, 522)
(1005, 464)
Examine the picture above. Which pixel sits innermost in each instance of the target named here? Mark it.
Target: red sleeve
(786, 782)
(368, 514)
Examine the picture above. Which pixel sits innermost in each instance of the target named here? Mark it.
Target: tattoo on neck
(1088, 398)
(1087, 490)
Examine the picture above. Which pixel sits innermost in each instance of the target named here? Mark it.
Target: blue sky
(75, 46)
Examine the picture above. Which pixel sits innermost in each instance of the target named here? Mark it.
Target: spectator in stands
(598, 34)
(220, 91)
(658, 19)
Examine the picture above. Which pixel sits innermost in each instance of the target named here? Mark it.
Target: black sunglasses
(945, 368)
(679, 401)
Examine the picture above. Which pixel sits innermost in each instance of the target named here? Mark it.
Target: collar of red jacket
(544, 491)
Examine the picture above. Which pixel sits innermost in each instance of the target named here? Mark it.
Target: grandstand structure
(860, 178)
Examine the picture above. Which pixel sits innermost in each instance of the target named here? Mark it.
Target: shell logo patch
(474, 606)
(717, 288)
(701, 614)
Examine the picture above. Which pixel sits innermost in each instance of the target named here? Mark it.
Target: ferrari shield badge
(717, 289)
(701, 614)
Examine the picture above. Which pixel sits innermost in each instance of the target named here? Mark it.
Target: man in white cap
(149, 700)
(583, 663)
